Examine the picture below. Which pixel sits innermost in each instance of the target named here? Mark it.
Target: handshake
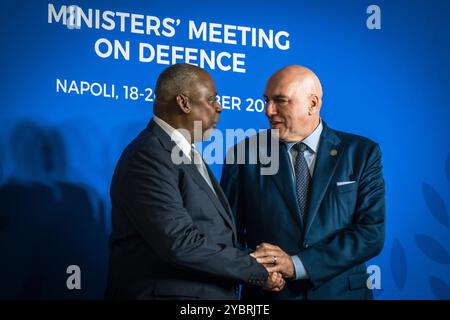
(277, 262)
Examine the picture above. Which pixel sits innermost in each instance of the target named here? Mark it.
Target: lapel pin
(333, 152)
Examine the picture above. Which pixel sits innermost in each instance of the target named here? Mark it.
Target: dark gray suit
(172, 237)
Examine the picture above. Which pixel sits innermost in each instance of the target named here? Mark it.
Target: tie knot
(300, 147)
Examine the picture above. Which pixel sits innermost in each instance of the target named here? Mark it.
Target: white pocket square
(343, 183)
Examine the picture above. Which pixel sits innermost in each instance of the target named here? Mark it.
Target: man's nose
(270, 108)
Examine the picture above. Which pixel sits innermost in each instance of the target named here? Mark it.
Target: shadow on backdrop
(48, 223)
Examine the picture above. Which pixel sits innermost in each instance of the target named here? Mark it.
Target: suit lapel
(223, 200)
(192, 170)
(285, 184)
(328, 155)
(219, 192)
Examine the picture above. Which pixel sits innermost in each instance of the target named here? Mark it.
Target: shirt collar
(311, 141)
(175, 135)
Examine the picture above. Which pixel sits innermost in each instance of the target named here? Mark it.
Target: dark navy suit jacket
(172, 237)
(344, 227)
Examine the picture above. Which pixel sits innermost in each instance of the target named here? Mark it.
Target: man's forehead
(205, 86)
(280, 88)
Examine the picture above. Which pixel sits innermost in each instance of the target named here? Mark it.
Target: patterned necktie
(302, 178)
(197, 159)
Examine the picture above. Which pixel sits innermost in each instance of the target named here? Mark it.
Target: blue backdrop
(58, 150)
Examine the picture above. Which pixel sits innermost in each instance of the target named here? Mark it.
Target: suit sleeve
(361, 241)
(154, 205)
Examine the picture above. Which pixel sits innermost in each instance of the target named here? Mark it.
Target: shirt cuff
(300, 271)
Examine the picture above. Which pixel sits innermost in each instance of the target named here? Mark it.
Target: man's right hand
(275, 282)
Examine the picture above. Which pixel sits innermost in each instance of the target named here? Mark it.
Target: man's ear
(183, 103)
(314, 105)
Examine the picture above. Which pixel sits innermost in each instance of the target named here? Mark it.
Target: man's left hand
(274, 259)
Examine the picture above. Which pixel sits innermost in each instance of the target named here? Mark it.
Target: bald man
(322, 215)
(173, 233)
